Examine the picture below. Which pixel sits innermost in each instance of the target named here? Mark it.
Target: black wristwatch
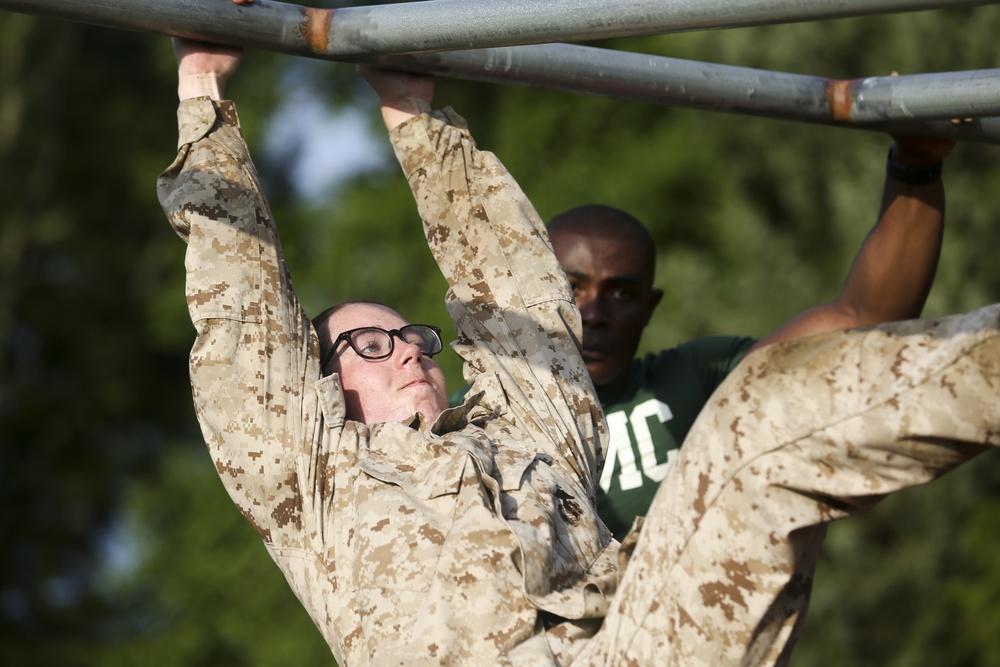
(912, 174)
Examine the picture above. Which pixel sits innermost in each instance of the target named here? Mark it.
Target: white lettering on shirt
(620, 446)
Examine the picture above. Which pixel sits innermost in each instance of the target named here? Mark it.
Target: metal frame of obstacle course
(506, 41)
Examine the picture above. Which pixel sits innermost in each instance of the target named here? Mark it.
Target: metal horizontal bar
(908, 101)
(440, 25)
(916, 103)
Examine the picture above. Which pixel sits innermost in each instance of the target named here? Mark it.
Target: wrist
(200, 85)
(906, 168)
(397, 111)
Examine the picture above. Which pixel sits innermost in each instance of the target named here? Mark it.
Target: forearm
(894, 270)
(213, 198)
(211, 188)
(476, 217)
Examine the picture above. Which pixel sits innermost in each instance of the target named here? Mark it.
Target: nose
(592, 310)
(406, 352)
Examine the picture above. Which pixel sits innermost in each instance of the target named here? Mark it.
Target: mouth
(590, 354)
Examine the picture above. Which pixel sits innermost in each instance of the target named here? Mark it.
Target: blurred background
(118, 544)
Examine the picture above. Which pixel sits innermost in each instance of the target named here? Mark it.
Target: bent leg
(801, 434)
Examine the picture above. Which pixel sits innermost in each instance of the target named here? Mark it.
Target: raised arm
(254, 359)
(893, 272)
(509, 297)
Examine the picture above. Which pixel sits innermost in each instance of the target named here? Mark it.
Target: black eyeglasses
(375, 343)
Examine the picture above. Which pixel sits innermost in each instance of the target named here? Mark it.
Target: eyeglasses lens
(423, 337)
(372, 343)
(376, 343)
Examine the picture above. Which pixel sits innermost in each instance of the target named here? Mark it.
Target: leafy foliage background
(118, 544)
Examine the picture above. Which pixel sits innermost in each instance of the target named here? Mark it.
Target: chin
(611, 378)
(429, 409)
(600, 375)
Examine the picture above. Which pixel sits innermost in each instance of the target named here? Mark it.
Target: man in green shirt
(651, 402)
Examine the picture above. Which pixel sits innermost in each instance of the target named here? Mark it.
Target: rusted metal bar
(916, 103)
(919, 103)
(443, 25)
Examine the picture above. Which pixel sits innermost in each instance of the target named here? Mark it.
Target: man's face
(390, 389)
(612, 287)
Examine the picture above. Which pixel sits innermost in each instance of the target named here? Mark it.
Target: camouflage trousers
(801, 434)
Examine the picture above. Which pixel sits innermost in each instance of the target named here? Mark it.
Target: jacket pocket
(403, 516)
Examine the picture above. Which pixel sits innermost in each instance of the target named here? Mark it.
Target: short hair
(602, 222)
(321, 321)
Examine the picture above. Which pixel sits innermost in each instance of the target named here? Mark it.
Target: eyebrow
(620, 278)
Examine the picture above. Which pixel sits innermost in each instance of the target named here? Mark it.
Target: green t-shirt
(649, 417)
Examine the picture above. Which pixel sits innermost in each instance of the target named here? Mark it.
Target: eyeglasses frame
(393, 334)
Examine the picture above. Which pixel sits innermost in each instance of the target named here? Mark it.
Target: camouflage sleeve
(512, 305)
(254, 352)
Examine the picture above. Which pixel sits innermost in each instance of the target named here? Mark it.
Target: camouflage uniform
(800, 434)
(474, 540)
(408, 543)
